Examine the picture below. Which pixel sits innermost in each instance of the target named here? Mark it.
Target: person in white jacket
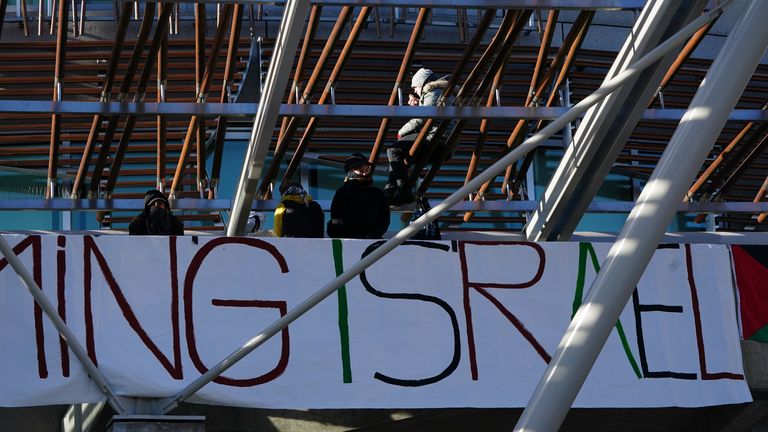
(427, 88)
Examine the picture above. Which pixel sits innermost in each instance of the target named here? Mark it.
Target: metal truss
(452, 4)
(247, 110)
(605, 128)
(220, 204)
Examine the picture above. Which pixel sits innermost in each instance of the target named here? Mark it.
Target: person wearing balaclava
(359, 209)
(156, 219)
(427, 87)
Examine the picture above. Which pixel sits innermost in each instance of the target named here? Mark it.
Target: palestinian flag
(751, 266)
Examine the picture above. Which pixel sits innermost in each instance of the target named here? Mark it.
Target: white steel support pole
(61, 326)
(531, 143)
(291, 29)
(635, 245)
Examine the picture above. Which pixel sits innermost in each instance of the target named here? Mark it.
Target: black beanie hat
(355, 160)
(153, 195)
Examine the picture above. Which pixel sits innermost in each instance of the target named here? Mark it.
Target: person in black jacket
(297, 215)
(359, 209)
(156, 218)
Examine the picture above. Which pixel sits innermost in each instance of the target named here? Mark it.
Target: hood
(152, 196)
(440, 83)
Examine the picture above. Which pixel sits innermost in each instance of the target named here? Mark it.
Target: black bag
(431, 231)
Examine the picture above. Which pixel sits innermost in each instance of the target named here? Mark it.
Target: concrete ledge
(160, 423)
(755, 357)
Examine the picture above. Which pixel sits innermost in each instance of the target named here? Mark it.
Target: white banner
(432, 324)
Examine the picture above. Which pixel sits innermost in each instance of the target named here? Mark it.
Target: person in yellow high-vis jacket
(297, 215)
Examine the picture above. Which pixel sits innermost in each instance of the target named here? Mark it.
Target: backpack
(431, 231)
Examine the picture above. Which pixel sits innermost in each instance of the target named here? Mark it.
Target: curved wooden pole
(200, 24)
(569, 58)
(418, 29)
(194, 123)
(420, 160)
(141, 91)
(483, 130)
(562, 52)
(125, 88)
(162, 122)
(442, 151)
(61, 49)
(306, 50)
(546, 42)
(282, 144)
(106, 93)
(685, 53)
(508, 29)
(24, 19)
(517, 134)
(495, 48)
(541, 58)
(221, 122)
(754, 152)
(354, 34)
(561, 77)
(719, 159)
(455, 76)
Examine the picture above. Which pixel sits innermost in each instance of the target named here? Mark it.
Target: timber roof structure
(516, 59)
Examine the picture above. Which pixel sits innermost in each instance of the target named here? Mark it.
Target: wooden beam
(418, 30)
(58, 82)
(293, 124)
(125, 88)
(194, 124)
(106, 94)
(221, 123)
(161, 32)
(354, 34)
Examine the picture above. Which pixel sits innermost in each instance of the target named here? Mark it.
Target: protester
(427, 88)
(297, 215)
(359, 209)
(156, 218)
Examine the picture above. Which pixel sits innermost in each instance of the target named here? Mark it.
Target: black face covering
(158, 222)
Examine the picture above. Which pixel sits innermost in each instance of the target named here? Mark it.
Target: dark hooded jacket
(359, 210)
(156, 221)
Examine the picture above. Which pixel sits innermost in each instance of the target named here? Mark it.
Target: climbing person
(427, 88)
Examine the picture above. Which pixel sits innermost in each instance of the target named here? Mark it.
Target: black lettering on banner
(639, 310)
(420, 297)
